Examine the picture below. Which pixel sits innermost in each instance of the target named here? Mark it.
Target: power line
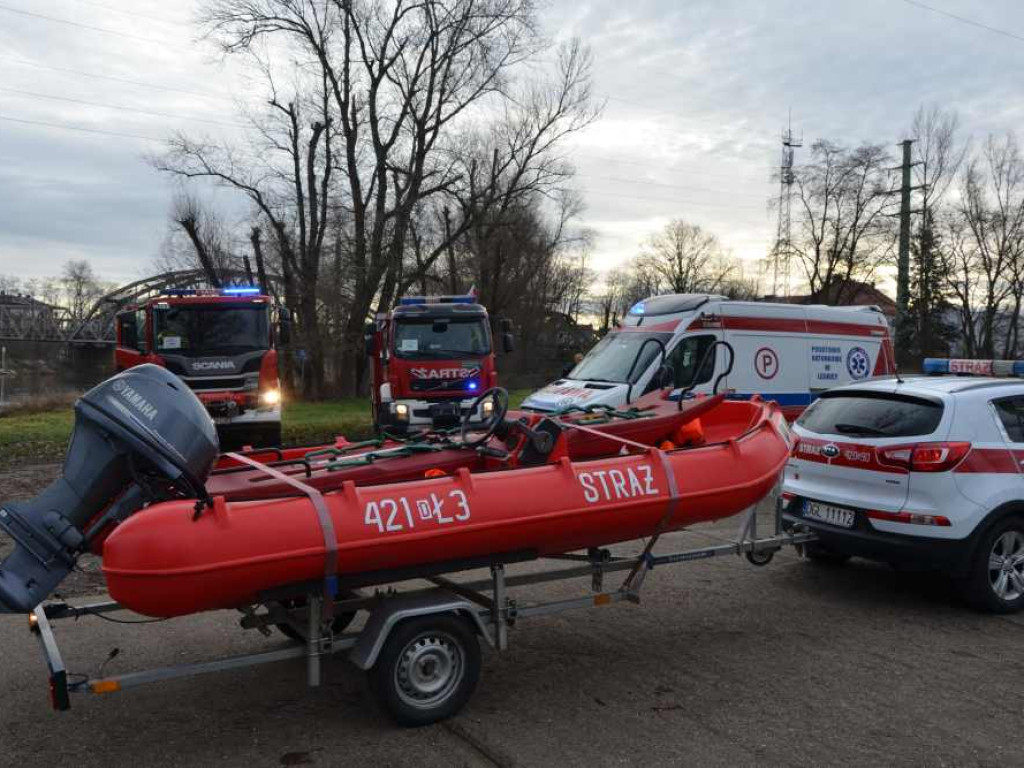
(965, 20)
(664, 167)
(677, 201)
(103, 30)
(67, 127)
(688, 188)
(114, 79)
(136, 14)
(153, 113)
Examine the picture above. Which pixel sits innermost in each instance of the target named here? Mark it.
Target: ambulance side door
(771, 357)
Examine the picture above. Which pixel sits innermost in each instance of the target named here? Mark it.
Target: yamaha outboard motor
(139, 437)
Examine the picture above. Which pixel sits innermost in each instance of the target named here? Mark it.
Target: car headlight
(271, 397)
(401, 411)
(487, 408)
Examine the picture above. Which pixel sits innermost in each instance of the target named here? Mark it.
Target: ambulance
(788, 353)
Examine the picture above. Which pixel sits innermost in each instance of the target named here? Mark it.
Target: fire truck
(431, 357)
(221, 343)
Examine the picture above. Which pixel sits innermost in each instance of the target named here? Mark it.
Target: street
(722, 664)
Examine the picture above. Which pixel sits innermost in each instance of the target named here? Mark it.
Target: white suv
(924, 471)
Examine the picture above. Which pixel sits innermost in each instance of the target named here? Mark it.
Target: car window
(687, 356)
(871, 414)
(1011, 413)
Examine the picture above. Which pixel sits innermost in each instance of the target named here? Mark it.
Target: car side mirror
(284, 326)
(567, 369)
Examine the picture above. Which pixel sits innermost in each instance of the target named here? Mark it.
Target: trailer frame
(484, 604)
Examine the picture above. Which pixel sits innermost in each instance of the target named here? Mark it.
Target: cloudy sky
(696, 91)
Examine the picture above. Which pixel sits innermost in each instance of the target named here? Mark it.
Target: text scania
(609, 484)
(213, 365)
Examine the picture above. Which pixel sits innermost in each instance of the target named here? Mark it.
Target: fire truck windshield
(225, 329)
(611, 359)
(441, 338)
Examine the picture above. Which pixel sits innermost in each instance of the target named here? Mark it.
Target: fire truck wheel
(995, 583)
(427, 670)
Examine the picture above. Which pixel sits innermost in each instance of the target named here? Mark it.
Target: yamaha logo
(117, 385)
(830, 451)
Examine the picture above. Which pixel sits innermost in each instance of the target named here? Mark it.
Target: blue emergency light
(241, 290)
(410, 301)
(936, 366)
(472, 386)
(637, 309)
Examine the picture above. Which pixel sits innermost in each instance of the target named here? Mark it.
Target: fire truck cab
(221, 343)
(431, 358)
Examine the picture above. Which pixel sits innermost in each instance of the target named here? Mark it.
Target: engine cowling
(140, 436)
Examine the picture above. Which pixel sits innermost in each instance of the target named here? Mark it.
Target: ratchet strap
(323, 517)
(635, 578)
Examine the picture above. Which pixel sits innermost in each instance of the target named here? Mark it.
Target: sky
(696, 95)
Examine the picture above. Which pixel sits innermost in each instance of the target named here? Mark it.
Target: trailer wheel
(298, 633)
(760, 558)
(427, 670)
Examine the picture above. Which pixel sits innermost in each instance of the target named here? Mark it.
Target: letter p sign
(766, 363)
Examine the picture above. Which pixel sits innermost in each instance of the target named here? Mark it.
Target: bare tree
(286, 174)
(81, 288)
(684, 258)
(843, 236)
(410, 86)
(987, 253)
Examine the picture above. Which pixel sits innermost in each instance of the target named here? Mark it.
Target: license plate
(826, 513)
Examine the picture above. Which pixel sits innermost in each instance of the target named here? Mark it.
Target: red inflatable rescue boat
(535, 486)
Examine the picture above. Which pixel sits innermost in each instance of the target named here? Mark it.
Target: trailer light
(33, 622)
(786, 498)
(271, 397)
(105, 686)
(487, 408)
(401, 411)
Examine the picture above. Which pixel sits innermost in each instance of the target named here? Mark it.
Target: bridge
(25, 319)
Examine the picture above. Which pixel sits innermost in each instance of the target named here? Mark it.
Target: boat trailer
(419, 645)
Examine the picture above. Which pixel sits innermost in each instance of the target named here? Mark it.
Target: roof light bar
(960, 367)
(409, 301)
(242, 290)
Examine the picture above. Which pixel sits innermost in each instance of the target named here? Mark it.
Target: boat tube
(181, 530)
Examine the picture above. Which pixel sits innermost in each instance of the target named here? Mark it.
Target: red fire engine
(221, 343)
(431, 357)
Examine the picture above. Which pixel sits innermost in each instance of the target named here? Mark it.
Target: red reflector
(909, 518)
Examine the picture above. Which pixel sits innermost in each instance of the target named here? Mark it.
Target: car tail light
(924, 457)
(911, 518)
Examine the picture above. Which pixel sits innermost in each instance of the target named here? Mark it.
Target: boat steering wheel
(500, 398)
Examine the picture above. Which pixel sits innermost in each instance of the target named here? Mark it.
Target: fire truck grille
(456, 385)
(221, 382)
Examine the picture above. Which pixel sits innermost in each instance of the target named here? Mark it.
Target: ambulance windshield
(613, 356)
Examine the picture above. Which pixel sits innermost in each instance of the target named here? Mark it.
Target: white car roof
(932, 385)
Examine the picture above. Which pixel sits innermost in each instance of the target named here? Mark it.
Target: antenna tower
(782, 253)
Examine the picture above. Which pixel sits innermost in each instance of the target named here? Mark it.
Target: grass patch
(34, 438)
(39, 438)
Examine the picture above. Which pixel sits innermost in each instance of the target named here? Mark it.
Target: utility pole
(904, 327)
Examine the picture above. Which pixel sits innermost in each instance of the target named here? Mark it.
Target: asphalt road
(722, 664)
